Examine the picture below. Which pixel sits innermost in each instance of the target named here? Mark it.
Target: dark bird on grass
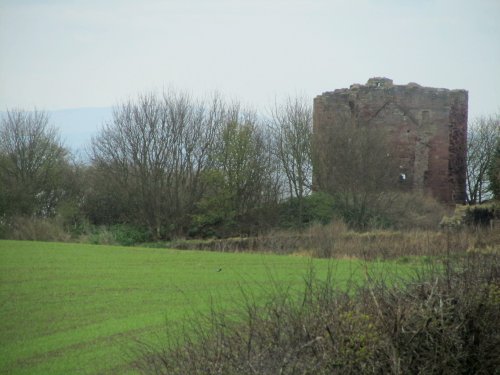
(218, 269)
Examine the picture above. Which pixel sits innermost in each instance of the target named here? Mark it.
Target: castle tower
(426, 128)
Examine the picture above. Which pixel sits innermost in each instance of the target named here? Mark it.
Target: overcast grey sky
(69, 53)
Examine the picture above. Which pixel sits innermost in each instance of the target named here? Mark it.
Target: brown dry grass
(336, 240)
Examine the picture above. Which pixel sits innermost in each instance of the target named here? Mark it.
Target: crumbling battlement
(427, 128)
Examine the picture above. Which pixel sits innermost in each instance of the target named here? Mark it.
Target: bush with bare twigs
(443, 321)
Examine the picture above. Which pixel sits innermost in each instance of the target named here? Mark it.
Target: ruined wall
(426, 128)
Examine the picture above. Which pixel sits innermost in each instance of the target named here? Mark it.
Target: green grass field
(80, 309)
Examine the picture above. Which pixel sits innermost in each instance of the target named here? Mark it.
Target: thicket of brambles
(442, 320)
(169, 165)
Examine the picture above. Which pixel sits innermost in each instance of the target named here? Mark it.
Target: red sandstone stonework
(426, 126)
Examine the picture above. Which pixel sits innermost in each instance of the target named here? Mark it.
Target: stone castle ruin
(426, 129)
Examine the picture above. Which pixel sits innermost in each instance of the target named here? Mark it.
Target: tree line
(168, 163)
(174, 165)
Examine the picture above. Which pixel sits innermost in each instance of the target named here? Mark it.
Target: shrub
(119, 234)
(397, 210)
(35, 229)
(98, 236)
(481, 215)
(316, 208)
(128, 235)
(414, 211)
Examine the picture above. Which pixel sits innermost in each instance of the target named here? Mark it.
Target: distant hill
(78, 125)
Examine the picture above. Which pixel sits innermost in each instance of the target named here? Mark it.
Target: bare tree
(494, 172)
(482, 137)
(245, 159)
(154, 151)
(243, 179)
(291, 127)
(354, 164)
(32, 163)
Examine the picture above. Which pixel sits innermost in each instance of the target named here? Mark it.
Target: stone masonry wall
(427, 128)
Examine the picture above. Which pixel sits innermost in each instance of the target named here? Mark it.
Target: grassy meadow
(81, 309)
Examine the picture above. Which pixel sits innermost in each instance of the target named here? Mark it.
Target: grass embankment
(76, 309)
